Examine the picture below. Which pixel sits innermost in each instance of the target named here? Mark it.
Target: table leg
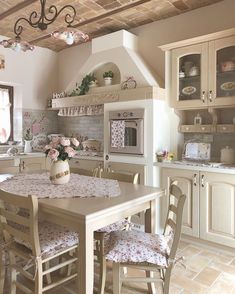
(86, 261)
(2, 272)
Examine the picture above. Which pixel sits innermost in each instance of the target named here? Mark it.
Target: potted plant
(28, 137)
(108, 76)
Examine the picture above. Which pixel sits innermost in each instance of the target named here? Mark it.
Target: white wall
(34, 75)
(198, 22)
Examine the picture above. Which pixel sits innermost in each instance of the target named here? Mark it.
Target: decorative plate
(228, 86)
(39, 142)
(189, 90)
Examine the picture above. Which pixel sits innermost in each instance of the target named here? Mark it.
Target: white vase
(27, 146)
(59, 172)
(108, 81)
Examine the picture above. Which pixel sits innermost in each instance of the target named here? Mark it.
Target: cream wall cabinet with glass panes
(209, 212)
(201, 71)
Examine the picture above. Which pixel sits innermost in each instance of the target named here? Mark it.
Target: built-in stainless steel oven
(127, 131)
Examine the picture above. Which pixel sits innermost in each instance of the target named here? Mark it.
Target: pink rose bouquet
(62, 148)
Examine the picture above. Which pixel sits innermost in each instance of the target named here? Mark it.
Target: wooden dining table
(86, 215)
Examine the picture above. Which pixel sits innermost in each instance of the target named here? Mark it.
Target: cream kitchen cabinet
(32, 164)
(209, 211)
(188, 181)
(9, 166)
(217, 208)
(202, 74)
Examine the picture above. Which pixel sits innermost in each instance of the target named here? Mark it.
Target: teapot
(194, 71)
(227, 155)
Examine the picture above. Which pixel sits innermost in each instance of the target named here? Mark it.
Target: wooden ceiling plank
(96, 18)
(16, 8)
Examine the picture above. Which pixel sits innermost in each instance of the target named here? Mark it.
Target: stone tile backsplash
(218, 141)
(87, 126)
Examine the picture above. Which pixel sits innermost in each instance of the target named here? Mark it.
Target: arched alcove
(101, 68)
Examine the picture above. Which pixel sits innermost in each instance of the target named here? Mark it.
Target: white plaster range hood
(117, 52)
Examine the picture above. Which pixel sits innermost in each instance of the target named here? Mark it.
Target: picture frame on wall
(2, 62)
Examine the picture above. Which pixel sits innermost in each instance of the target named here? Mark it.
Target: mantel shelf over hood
(110, 95)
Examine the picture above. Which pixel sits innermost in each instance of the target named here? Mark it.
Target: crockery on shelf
(189, 90)
(228, 86)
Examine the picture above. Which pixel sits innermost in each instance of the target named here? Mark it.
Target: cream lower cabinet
(217, 208)
(32, 164)
(9, 166)
(209, 211)
(188, 181)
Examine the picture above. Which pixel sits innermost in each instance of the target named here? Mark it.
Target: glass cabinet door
(222, 72)
(189, 76)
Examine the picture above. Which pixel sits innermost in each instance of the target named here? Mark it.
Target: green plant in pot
(108, 76)
(84, 87)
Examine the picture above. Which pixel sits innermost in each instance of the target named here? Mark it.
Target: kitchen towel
(118, 133)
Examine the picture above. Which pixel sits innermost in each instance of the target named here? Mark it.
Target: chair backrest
(83, 171)
(174, 217)
(122, 177)
(16, 226)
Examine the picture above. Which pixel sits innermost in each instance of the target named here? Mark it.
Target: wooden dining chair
(148, 252)
(33, 246)
(84, 172)
(120, 225)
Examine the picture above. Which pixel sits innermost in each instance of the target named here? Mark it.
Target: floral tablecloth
(40, 186)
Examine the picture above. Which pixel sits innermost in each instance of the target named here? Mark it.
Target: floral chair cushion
(117, 226)
(52, 237)
(138, 247)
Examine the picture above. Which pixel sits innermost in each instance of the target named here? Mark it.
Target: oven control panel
(127, 114)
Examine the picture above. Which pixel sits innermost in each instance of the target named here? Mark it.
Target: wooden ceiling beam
(96, 18)
(16, 8)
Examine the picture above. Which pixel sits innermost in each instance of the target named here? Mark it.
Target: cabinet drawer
(196, 128)
(225, 128)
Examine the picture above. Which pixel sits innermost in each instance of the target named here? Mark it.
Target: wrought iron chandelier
(70, 35)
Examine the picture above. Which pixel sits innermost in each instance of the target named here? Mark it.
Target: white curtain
(5, 118)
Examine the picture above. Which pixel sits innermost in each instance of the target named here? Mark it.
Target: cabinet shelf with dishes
(201, 71)
(207, 121)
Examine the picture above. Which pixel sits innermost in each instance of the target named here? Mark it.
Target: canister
(227, 155)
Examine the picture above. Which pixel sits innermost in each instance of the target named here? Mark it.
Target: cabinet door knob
(210, 96)
(203, 96)
(195, 179)
(203, 184)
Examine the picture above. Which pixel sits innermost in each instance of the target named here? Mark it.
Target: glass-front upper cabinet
(189, 76)
(222, 72)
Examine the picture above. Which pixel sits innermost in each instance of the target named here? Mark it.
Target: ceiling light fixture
(70, 35)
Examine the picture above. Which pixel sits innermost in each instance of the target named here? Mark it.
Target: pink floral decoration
(75, 142)
(65, 142)
(53, 154)
(71, 152)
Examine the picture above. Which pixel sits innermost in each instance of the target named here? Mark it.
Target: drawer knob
(203, 128)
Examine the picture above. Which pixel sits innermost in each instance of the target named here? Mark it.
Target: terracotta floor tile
(190, 251)
(187, 284)
(207, 276)
(223, 267)
(197, 263)
(223, 285)
(183, 245)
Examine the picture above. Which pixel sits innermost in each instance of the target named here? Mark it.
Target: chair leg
(12, 260)
(151, 286)
(167, 277)
(2, 271)
(116, 278)
(102, 277)
(38, 278)
(48, 276)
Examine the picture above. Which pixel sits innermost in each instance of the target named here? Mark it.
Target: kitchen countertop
(207, 167)
(21, 155)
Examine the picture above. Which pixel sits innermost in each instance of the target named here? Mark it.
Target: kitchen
(50, 72)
